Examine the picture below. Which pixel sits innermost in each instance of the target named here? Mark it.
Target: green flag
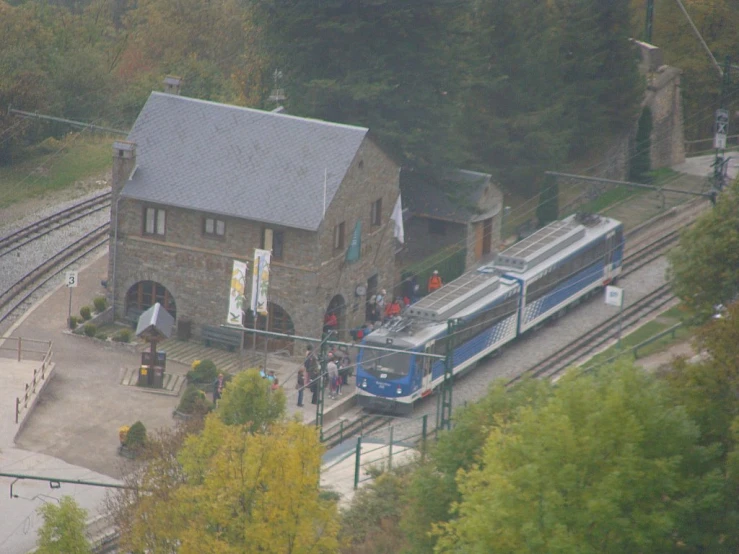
(355, 246)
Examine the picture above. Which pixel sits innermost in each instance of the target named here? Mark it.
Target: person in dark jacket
(300, 385)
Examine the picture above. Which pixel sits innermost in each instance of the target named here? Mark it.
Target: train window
(397, 364)
(545, 284)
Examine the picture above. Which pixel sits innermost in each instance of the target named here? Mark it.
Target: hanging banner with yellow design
(237, 298)
(260, 281)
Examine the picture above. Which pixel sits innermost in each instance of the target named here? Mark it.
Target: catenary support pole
(357, 464)
(445, 421)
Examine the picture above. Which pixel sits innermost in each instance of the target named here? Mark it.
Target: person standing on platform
(218, 385)
(435, 282)
(300, 385)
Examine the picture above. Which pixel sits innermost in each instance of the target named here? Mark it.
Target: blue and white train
(534, 280)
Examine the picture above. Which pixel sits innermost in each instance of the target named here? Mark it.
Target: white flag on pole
(397, 217)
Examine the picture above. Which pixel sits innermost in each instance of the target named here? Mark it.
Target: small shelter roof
(156, 323)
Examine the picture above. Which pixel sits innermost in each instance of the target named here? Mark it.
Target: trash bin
(144, 376)
(157, 380)
(184, 329)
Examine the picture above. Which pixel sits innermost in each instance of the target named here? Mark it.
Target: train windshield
(395, 364)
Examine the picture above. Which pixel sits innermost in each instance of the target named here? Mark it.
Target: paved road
(701, 165)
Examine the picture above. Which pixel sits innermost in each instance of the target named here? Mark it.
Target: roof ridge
(258, 111)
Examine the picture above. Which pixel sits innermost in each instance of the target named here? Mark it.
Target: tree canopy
(63, 530)
(511, 87)
(704, 268)
(598, 467)
(247, 400)
(226, 489)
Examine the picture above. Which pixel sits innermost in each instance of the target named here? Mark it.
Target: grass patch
(609, 198)
(54, 165)
(667, 319)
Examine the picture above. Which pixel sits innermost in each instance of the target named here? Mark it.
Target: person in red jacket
(330, 322)
(435, 282)
(392, 309)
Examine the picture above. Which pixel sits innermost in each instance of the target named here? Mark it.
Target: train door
(609, 258)
(426, 364)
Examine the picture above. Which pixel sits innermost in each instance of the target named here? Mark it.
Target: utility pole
(323, 361)
(445, 421)
(722, 130)
(648, 23)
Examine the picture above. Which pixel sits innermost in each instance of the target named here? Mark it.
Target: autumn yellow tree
(236, 491)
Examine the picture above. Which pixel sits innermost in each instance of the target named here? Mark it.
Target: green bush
(203, 372)
(123, 335)
(85, 312)
(72, 322)
(90, 329)
(100, 303)
(194, 401)
(136, 437)
(101, 335)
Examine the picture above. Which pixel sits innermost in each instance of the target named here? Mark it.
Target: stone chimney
(172, 84)
(124, 162)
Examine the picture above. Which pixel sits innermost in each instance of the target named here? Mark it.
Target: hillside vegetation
(511, 87)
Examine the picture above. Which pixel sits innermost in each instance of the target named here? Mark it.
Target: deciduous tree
(599, 467)
(63, 530)
(233, 491)
(247, 400)
(704, 268)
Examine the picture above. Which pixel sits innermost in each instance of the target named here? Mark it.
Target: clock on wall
(361, 290)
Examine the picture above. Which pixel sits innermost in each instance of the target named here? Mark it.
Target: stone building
(199, 184)
(460, 210)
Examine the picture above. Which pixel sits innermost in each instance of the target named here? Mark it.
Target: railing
(706, 144)
(20, 348)
(39, 373)
(385, 452)
(634, 350)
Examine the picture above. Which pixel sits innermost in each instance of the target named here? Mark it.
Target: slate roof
(241, 162)
(455, 202)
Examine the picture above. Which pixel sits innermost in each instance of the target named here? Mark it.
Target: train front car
(485, 307)
(561, 264)
(385, 379)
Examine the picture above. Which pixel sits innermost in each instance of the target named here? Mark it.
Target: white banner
(260, 281)
(237, 299)
(614, 296)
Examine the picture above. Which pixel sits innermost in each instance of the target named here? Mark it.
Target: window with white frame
(213, 227)
(154, 221)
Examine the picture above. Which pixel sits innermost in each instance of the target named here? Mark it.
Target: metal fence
(22, 349)
(386, 448)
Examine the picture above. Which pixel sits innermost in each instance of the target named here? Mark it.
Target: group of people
(381, 309)
(338, 369)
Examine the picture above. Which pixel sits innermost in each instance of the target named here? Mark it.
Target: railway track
(645, 245)
(347, 428)
(599, 336)
(21, 237)
(19, 294)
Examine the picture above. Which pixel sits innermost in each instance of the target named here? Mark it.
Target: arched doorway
(337, 307)
(144, 294)
(279, 322)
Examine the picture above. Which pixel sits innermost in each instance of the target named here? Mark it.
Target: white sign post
(615, 297)
(70, 278)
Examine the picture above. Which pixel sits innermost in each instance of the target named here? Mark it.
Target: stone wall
(196, 268)
(665, 102)
(664, 99)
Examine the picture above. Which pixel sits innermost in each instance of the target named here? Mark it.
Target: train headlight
(399, 390)
(364, 384)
